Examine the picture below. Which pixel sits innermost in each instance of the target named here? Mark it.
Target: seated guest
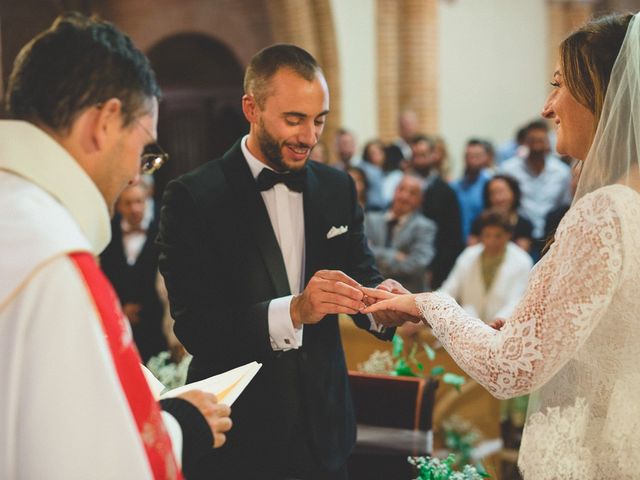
(362, 185)
(553, 218)
(478, 156)
(371, 165)
(398, 154)
(402, 239)
(441, 205)
(543, 178)
(319, 153)
(345, 150)
(513, 147)
(440, 157)
(488, 279)
(131, 263)
(502, 192)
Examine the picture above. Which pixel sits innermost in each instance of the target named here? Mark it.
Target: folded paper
(226, 386)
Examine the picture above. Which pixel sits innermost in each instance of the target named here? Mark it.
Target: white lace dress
(574, 340)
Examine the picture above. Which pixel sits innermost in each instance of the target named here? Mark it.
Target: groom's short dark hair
(266, 63)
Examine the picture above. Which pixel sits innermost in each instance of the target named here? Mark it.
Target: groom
(260, 250)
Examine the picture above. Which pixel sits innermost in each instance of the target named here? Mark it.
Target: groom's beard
(272, 150)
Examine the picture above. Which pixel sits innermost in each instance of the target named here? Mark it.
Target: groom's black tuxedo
(222, 266)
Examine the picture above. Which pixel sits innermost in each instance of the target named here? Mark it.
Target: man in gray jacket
(402, 239)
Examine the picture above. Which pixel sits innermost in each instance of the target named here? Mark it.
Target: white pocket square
(335, 231)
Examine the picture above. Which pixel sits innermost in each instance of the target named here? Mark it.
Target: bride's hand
(405, 303)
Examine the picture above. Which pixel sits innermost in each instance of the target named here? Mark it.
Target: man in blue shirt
(470, 187)
(543, 178)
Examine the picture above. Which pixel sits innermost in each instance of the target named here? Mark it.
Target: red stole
(126, 361)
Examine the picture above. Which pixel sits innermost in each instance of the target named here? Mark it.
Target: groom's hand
(328, 292)
(390, 318)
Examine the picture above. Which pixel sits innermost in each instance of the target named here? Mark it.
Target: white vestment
(63, 413)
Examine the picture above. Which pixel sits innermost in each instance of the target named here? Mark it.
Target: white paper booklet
(226, 386)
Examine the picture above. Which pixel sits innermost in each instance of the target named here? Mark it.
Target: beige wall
(493, 68)
(356, 36)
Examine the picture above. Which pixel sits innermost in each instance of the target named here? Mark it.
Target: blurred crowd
(474, 236)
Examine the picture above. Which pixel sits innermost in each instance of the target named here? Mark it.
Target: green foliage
(452, 379)
(398, 346)
(431, 353)
(407, 365)
(461, 443)
(460, 437)
(436, 469)
(170, 374)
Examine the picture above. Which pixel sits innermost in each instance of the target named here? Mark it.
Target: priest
(75, 404)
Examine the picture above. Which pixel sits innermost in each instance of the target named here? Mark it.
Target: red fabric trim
(126, 360)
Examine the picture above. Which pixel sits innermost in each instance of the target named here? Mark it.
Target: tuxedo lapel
(253, 215)
(312, 225)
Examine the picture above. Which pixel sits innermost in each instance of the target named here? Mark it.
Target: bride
(574, 339)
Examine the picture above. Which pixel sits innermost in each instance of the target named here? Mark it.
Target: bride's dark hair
(587, 57)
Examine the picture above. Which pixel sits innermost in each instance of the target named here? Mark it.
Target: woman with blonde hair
(573, 339)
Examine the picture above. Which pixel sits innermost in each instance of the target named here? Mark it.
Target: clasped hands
(332, 291)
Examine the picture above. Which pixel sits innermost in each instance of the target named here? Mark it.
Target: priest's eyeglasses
(153, 156)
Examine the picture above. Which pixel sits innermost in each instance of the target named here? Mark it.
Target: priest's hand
(132, 312)
(216, 414)
(328, 292)
(389, 318)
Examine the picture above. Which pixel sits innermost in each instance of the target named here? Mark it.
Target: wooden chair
(394, 402)
(473, 404)
(394, 416)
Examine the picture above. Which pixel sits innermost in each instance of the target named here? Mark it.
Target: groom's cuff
(282, 334)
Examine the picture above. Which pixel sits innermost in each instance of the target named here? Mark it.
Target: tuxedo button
(304, 356)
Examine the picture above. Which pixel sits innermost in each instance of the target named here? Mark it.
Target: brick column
(564, 17)
(419, 64)
(327, 56)
(292, 22)
(309, 24)
(388, 48)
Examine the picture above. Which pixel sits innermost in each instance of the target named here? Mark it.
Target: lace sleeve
(568, 292)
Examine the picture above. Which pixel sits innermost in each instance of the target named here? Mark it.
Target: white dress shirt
(133, 241)
(286, 213)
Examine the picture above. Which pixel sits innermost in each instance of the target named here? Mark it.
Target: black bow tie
(293, 180)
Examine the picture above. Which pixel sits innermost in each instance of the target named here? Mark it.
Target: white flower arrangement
(379, 363)
(436, 469)
(172, 375)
